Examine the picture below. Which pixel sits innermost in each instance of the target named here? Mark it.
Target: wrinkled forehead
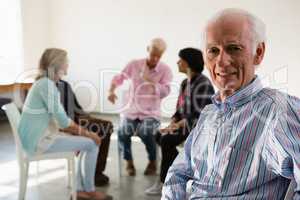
(228, 29)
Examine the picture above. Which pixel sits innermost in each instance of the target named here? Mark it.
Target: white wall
(103, 35)
(36, 19)
(11, 57)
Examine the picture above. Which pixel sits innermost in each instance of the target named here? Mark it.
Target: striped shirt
(247, 147)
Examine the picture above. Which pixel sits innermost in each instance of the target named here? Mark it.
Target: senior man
(246, 145)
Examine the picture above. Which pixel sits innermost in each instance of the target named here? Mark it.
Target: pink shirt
(143, 98)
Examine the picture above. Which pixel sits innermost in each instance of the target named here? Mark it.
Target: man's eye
(213, 50)
(233, 48)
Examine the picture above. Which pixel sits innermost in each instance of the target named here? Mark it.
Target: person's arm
(51, 98)
(78, 108)
(70, 102)
(200, 97)
(118, 80)
(112, 97)
(178, 113)
(161, 88)
(173, 126)
(177, 120)
(284, 145)
(179, 174)
(75, 129)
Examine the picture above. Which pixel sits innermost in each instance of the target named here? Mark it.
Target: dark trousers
(169, 152)
(104, 129)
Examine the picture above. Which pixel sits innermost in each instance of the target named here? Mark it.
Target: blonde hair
(51, 61)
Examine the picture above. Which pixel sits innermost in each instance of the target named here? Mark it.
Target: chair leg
(119, 157)
(157, 151)
(23, 180)
(37, 172)
(158, 156)
(71, 165)
(69, 173)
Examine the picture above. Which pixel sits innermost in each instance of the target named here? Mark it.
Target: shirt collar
(156, 68)
(240, 97)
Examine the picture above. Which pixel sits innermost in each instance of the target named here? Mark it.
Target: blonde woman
(42, 117)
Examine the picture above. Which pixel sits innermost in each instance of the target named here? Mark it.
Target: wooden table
(14, 87)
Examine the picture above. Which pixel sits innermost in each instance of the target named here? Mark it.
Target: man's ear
(259, 53)
(148, 48)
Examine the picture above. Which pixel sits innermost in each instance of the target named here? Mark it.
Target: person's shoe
(107, 197)
(154, 189)
(99, 196)
(151, 168)
(92, 196)
(130, 168)
(101, 180)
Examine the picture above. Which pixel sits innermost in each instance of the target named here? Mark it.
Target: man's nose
(223, 59)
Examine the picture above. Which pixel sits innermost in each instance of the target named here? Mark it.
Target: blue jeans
(87, 158)
(145, 129)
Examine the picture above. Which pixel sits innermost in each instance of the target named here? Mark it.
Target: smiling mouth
(226, 74)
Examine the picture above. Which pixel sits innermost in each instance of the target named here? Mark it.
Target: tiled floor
(51, 182)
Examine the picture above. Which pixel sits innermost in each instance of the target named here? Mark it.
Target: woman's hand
(75, 129)
(173, 127)
(170, 129)
(95, 137)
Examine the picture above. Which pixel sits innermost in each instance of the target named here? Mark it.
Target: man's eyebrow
(230, 42)
(233, 42)
(209, 45)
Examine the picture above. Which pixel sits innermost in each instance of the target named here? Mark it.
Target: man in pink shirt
(150, 83)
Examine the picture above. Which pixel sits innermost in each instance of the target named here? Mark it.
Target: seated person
(42, 116)
(246, 144)
(195, 93)
(102, 127)
(150, 83)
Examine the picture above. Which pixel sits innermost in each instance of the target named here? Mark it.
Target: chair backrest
(14, 116)
(290, 192)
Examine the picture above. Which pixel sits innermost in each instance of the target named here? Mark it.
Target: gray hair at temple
(258, 27)
(158, 43)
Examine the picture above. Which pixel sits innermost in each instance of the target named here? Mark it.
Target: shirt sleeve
(179, 173)
(124, 75)
(162, 88)
(284, 145)
(51, 98)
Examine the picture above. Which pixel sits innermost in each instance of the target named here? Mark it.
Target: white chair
(290, 192)
(24, 159)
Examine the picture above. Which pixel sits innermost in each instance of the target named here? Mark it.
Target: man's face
(229, 54)
(154, 56)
